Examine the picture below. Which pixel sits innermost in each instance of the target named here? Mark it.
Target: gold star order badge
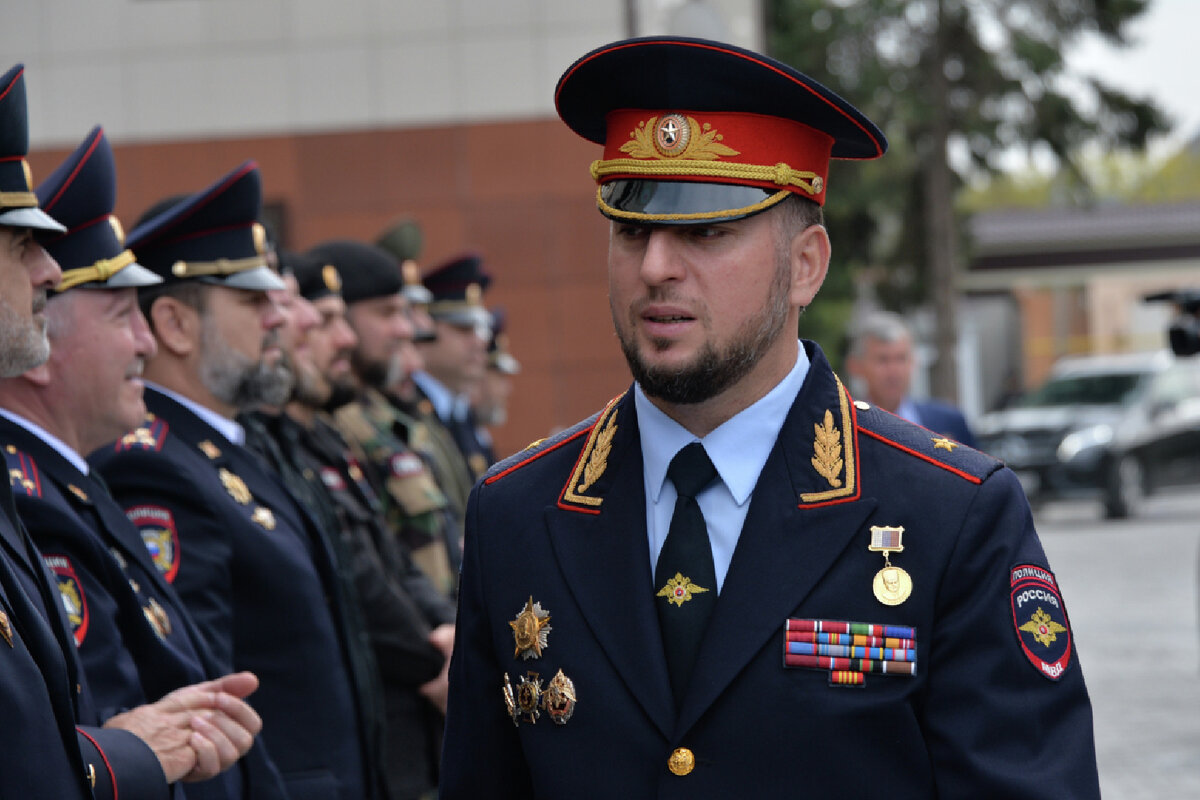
(1044, 629)
(942, 443)
(679, 590)
(531, 630)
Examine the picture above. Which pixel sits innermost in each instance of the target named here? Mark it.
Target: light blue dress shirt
(738, 448)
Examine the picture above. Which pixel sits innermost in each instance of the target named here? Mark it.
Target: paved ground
(1131, 591)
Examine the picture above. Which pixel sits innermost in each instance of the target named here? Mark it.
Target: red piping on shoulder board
(536, 456)
(965, 475)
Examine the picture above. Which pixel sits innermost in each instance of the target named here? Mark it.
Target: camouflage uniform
(387, 443)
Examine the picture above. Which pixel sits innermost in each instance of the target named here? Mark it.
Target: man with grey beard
(251, 564)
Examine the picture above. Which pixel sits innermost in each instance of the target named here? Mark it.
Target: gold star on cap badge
(942, 443)
(679, 590)
(531, 630)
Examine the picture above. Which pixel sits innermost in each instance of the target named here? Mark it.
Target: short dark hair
(193, 294)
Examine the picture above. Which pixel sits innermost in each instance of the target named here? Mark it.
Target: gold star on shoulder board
(531, 630)
(942, 443)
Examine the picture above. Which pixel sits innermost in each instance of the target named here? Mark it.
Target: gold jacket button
(682, 761)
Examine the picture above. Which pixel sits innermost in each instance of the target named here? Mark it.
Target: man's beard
(238, 381)
(371, 373)
(23, 343)
(711, 372)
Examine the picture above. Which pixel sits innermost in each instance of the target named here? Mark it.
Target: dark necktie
(685, 580)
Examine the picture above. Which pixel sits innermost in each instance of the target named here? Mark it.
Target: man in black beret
(405, 465)
(735, 580)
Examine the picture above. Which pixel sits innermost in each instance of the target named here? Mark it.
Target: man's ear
(809, 255)
(176, 326)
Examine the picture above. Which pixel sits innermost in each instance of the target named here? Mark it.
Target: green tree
(955, 84)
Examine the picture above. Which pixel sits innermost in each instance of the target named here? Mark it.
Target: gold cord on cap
(99, 272)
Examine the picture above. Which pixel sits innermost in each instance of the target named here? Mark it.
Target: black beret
(367, 271)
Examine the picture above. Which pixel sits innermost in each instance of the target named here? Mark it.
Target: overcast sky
(1159, 64)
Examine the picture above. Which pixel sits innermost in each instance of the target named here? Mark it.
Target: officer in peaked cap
(736, 575)
(456, 360)
(135, 640)
(18, 202)
(404, 465)
(53, 745)
(249, 553)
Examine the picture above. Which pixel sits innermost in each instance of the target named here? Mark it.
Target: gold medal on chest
(892, 585)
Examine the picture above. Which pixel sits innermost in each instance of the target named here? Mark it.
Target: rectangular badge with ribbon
(849, 650)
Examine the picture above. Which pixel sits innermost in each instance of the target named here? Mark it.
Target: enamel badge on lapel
(235, 486)
(529, 697)
(892, 585)
(531, 630)
(559, 698)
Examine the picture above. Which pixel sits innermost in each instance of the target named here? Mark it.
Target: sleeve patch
(1040, 619)
(157, 527)
(70, 589)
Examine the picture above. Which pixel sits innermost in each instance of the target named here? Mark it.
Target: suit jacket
(945, 419)
(134, 638)
(985, 712)
(51, 745)
(257, 579)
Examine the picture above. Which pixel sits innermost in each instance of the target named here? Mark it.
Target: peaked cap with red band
(696, 131)
(213, 236)
(81, 194)
(18, 203)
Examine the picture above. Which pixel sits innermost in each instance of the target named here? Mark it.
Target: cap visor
(682, 202)
(417, 294)
(261, 279)
(133, 275)
(31, 218)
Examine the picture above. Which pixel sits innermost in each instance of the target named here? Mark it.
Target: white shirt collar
(231, 430)
(60, 447)
(738, 447)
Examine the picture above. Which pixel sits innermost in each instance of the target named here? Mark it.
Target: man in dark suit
(881, 357)
(734, 581)
(251, 566)
(134, 638)
(52, 744)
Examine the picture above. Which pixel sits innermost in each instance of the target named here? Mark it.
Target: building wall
(363, 111)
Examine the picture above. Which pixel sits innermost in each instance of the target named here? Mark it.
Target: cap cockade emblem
(531, 630)
(676, 136)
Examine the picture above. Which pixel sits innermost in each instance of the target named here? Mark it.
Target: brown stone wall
(518, 192)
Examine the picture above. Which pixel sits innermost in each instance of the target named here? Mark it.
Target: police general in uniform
(251, 566)
(736, 581)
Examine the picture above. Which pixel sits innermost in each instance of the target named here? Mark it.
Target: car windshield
(1108, 389)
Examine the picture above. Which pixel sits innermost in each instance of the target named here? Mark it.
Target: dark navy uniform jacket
(51, 745)
(257, 580)
(135, 640)
(989, 712)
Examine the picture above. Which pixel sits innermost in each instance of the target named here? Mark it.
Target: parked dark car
(1157, 441)
(1057, 438)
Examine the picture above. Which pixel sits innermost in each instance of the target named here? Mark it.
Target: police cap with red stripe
(702, 131)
